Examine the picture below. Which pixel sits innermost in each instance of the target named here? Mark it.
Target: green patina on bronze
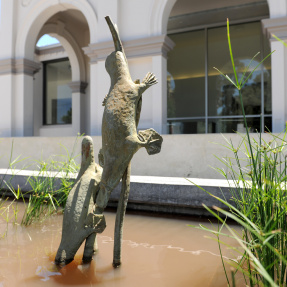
(120, 141)
(79, 205)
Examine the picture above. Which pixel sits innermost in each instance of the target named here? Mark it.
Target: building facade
(58, 90)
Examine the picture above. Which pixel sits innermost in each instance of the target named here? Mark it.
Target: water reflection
(156, 252)
(42, 271)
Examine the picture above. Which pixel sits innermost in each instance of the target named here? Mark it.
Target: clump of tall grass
(257, 175)
(9, 208)
(8, 214)
(50, 185)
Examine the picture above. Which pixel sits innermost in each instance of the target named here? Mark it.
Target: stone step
(171, 195)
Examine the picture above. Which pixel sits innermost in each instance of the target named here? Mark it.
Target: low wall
(181, 155)
(170, 195)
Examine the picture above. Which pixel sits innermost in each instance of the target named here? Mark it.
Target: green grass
(257, 174)
(50, 187)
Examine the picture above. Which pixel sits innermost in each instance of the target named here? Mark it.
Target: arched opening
(74, 25)
(57, 100)
(199, 99)
(56, 77)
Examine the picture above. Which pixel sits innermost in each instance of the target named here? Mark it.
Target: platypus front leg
(148, 81)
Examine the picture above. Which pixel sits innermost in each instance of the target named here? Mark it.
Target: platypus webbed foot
(150, 79)
(152, 139)
(96, 221)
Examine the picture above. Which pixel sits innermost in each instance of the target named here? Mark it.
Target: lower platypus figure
(78, 210)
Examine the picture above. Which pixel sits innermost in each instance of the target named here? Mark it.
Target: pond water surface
(156, 252)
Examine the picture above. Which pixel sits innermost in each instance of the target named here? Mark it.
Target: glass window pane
(231, 125)
(186, 75)
(186, 126)
(223, 97)
(267, 77)
(58, 95)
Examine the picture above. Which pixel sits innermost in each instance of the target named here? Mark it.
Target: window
(57, 93)
(199, 99)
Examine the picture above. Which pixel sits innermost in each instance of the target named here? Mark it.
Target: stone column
(7, 32)
(99, 82)
(16, 77)
(278, 27)
(277, 8)
(6, 83)
(78, 91)
(157, 48)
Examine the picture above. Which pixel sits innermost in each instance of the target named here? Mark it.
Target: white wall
(139, 22)
(181, 155)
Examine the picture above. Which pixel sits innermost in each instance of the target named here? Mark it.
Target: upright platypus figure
(120, 140)
(78, 208)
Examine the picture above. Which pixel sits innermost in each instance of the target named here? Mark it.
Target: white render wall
(142, 26)
(181, 155)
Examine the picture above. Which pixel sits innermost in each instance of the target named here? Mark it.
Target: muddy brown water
(156, 252)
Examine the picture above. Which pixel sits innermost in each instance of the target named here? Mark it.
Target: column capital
(276, 26)
(19, 66)
(151, 46)
(78, 87)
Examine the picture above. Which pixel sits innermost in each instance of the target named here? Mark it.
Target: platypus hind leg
(90, 248)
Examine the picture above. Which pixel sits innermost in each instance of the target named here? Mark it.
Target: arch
(33, 22)
(72, 48)
(162, 9)
(159, 16)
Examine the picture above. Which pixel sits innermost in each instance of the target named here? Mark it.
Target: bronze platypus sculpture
(120, 140)
(89, 196)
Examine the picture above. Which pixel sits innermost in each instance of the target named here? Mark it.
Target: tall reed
(257, 175)
(9, 208)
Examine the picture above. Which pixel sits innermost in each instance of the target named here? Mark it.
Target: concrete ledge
(147, 193)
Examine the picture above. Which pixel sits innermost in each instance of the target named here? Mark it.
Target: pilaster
(78, 89)
(16, 78)
(278, 27)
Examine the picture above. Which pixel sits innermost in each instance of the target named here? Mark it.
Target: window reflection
(186, 126)
(231, 125)
(186, 75)
(191, 69)
(57, 93)
(224, 99)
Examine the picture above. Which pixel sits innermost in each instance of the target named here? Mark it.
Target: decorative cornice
(19, 66)
(276, 26)
(152, 46)
(78, 87)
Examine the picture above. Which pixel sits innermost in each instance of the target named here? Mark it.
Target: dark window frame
(44, 98)
(206, 118)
